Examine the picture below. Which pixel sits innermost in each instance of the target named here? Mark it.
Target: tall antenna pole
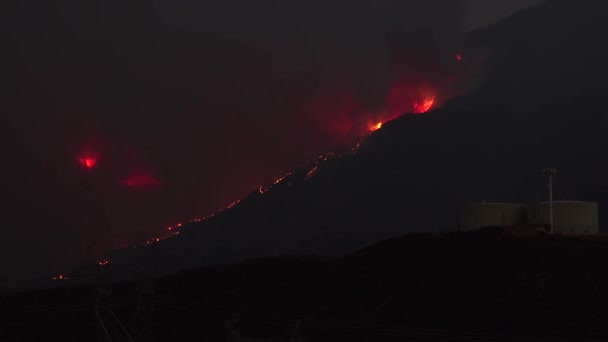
(550, 172)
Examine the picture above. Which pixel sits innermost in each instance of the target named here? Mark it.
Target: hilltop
(538, 107)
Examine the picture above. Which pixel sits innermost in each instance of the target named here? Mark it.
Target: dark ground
(465, 287)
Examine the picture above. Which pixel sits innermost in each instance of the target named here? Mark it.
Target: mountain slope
(540, 106)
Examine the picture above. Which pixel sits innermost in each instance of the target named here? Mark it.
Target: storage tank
(479, 215)
(569, 217)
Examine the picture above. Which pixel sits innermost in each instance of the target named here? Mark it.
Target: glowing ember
(262, 189)
(312, 172)
(325, 156)
(459, 57)
(376, 127)
(88, 162)
(424, 106)
(231, 205)
(103, 262)
(60, 277)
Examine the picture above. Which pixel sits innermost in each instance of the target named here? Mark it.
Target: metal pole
(550, 172)
(551, 201)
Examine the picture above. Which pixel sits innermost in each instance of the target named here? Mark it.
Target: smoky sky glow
(141, 182)
(142, 114)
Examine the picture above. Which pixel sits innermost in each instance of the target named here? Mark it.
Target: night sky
(120, 119)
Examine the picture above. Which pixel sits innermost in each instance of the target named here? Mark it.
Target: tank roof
(566, 201)
(496, 203)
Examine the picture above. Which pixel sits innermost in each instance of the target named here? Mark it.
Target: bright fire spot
(88, 162)
(103, 262)
(231, 205)
(459, 57)
(424, 106)
(179, 225)
(312, 172)
(169, 228)
(376, 126)
(60, 277)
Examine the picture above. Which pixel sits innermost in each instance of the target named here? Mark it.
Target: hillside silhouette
(542, 104)
(539, 106)
(479, 286)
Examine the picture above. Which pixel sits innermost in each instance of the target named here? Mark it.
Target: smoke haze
(181, 107)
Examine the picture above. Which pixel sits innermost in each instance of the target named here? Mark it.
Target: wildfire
(375, 127)
(312, 172)
(424, 106)
(325, 156)
(88, 162)
(103, 262)
(231, 205)
(355, 148)
(262, 189)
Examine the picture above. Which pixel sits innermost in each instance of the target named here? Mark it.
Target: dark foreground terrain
(464, 287)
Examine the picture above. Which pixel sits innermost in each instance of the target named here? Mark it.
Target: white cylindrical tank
(479, 215)
(569, 217)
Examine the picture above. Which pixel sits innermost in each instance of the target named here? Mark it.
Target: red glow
(424, 106)
(88, 161)
(375, 127)
(404, 98)
(331, 110)
(141, 181)
(312, 172)
(103, 262)
(459, 57)
(231, 205)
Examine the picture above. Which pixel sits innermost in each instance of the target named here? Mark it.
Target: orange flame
(312, 172)
(424, 106)
(375, 127)
(231, 205)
